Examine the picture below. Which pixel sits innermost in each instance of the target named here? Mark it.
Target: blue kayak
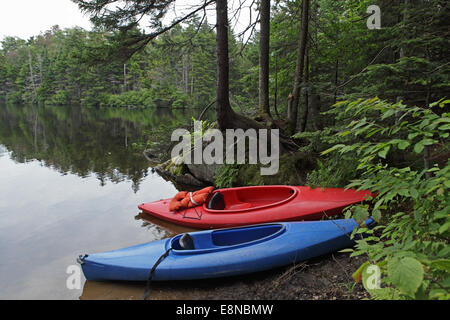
(222, 252)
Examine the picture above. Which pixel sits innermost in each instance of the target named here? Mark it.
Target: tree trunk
(192, 80)
(125, 78)
(314, 107)
(304, 116)
(41, 76)
(275, 92)
(30, 61)
(336, 78)
(293, 110)
(183, 74)
(398, 114)
(426, 150)
(226, 117)
(186, 77)
(264, 44)
(224, 112)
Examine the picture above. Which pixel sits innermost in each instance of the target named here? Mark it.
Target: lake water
(70, 183)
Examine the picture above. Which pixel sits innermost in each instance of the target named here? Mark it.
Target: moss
(292, 171)
(174, 167)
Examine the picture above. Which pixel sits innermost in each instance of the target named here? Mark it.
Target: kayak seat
(186, 242)
(217, 202)
(240, 206)
(227, 201)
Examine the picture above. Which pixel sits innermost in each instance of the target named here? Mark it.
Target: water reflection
(3, 150)
(70, 183)
(150, 222)
(83, 141)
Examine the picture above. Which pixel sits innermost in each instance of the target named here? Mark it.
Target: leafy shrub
(410, 246)
(141, 99)
(14, 97)
(332, 172)
(59, 98)
(181, 100)
(226, 175)
(95, 96)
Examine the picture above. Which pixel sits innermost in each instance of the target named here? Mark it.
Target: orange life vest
(185, 199)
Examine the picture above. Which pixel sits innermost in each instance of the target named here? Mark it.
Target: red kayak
(260, 204)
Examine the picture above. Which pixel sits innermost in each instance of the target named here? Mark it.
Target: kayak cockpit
(232, 237)
(244, 199)
(227, 238)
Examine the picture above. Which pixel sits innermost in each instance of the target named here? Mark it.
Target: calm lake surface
(70, 183)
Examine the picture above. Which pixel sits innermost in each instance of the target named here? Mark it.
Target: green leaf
(360, 213)
(337, 146)
(444, 252)
(428, 142)
(441, 264)
(376, 214)
(388, 113)
(441, 214)
(343, 134)
(384, 152)
(406, 274)
(371, 278)
(414, 193)
(348, 214)
(418, 148)
(348, 250)
(357, 275)
(443, 103)
(444, 227)
(402, 145)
